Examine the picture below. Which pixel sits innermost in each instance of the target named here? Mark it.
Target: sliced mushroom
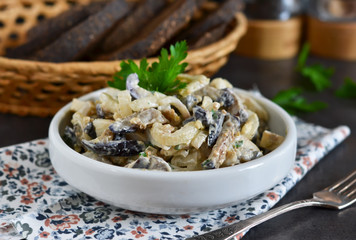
(212, 92)
(137, 120)
(191, 101)
(225, 140)
(99, 111)
(215, 127)
(135, 90)
(200, 114)
(150, 163)
(69, 136)
(212, 120)
(226, 98)
(188, 120)
(148, 117)
(79, 122)
(172, 116)
(120, 137)
(90, 130)
(123, 126)
(122, 148)
(253, 105)
(236, 107)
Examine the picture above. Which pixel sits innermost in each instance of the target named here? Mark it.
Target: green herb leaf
(239, 143)
(143, 154)
(347, 90)
(285, 96)
(303, 55)
(317, 74)
(207, 162)
(126, 69)
(160, 76)
(293, 102)
(214, 114)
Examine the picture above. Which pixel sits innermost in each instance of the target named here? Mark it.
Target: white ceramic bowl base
(173, 192)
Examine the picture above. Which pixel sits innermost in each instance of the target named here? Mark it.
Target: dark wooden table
(271, 77)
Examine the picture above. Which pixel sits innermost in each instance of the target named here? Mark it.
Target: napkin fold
(37, 203)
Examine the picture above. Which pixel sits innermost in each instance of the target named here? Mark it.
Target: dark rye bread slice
(157, 32)
(50, 29)
(221, 16)
(209, 37)
(80, 39)
(131, 26)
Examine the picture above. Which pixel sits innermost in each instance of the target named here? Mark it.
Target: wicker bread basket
(41, 88)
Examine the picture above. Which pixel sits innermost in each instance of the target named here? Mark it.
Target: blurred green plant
(319, 77)
(294, 103)
(347, 90)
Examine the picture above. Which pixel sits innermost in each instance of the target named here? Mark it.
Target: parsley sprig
(318, 75)
(293, 101)
(160, 76)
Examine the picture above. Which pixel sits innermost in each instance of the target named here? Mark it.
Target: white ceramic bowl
(174, 192)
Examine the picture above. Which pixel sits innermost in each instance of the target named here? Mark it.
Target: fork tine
(342, 182)
(347, 186)
(350, 194)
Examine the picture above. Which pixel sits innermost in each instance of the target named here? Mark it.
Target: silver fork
(337, 196)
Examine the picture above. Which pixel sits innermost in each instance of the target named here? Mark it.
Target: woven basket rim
(107, 67)
(40, 88)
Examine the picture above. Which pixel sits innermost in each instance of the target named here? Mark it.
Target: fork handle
(235, 229)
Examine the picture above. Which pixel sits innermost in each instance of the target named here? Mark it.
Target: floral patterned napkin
(36, 203)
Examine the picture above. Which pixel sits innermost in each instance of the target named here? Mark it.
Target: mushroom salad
(206, 125)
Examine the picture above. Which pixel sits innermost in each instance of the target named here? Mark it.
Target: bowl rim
(57, 141)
